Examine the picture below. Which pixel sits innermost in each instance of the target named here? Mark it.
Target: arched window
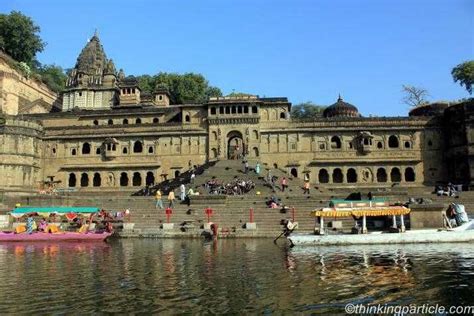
(282, 115)
(125, 150)
(110, 122)
(337, 176)
(97, 151)
(379, 145)
(97, 180)
(72, 180)
(323, 176)
(138, 121)
(393, 142)
(294, 172)
(73, 152)
(84, 180)
(156, 120)
(137, 147)
(407, 145)
(221, 110)
(150, 150)
(137, 179)
(254, 110)
(255, 152)
(187, 118)
(351, 175)
(125, 121)
(381, 175)
(150, 178)
(213, 111)
(123, 179)
(234, 110)
(409, 174)
(395, 175)
(86, 149)
(335, 142)
(177, 173)
(96, 122)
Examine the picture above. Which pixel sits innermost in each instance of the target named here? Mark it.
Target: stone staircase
(231, 213)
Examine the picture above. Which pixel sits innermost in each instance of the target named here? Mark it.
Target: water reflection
(227, 276)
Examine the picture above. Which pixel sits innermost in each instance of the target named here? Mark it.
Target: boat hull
(409, 237)
(63, 236)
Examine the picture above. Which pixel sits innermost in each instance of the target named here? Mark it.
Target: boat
(397, 235)
(60, 236)
(52, 231)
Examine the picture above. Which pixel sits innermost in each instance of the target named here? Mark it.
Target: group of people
(235, 187)
(184, 196)
(448, 190)
(79, 224)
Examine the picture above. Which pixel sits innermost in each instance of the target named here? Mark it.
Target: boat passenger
(30, 223)
(84, 228)
(43, 225)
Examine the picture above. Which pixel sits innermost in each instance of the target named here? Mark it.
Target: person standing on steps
(246, 166)
(182, 192)
(159, 202)
(284, 184)
(306, 188)
(257, 168)
(171, 199)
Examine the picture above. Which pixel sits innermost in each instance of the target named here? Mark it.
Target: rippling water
(228, 276)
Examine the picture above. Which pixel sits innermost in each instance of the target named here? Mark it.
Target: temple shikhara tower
(106, 134)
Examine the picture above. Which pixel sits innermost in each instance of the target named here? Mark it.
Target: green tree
(53, 76)
(183, 88)
(306, 110)
(414, 96)
(239, 94)
(464, 73)
(19, 38)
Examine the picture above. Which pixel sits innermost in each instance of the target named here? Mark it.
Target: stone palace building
(105, 134)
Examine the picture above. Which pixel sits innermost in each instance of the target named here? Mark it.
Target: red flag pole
(251, 215)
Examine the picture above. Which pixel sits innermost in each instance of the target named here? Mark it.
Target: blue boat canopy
(55, 209)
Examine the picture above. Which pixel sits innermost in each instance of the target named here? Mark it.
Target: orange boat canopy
(358, 212)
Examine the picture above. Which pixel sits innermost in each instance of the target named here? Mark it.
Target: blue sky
(302, 49)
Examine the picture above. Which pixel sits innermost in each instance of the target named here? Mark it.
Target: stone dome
(341, 109)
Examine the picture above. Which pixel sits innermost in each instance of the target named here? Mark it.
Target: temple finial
(339, 98)
(96, 33)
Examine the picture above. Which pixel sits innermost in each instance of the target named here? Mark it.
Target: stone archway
(235, 145)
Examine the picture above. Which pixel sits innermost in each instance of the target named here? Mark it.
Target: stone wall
(20, 153)
(21, 95)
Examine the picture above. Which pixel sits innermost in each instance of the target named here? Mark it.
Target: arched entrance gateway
(235, 145)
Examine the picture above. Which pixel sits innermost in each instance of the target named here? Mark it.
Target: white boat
(462, 233)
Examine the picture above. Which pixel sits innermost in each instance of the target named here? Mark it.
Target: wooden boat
(462, 233)
(69, 212)
(61, 236)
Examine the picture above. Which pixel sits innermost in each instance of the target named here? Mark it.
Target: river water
(237, 276)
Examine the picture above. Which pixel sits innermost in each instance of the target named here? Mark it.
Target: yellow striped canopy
(357, 212)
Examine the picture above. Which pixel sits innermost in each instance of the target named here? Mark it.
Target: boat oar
(275, 240)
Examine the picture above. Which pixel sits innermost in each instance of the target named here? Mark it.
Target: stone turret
(92, 83)
(161, 95)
